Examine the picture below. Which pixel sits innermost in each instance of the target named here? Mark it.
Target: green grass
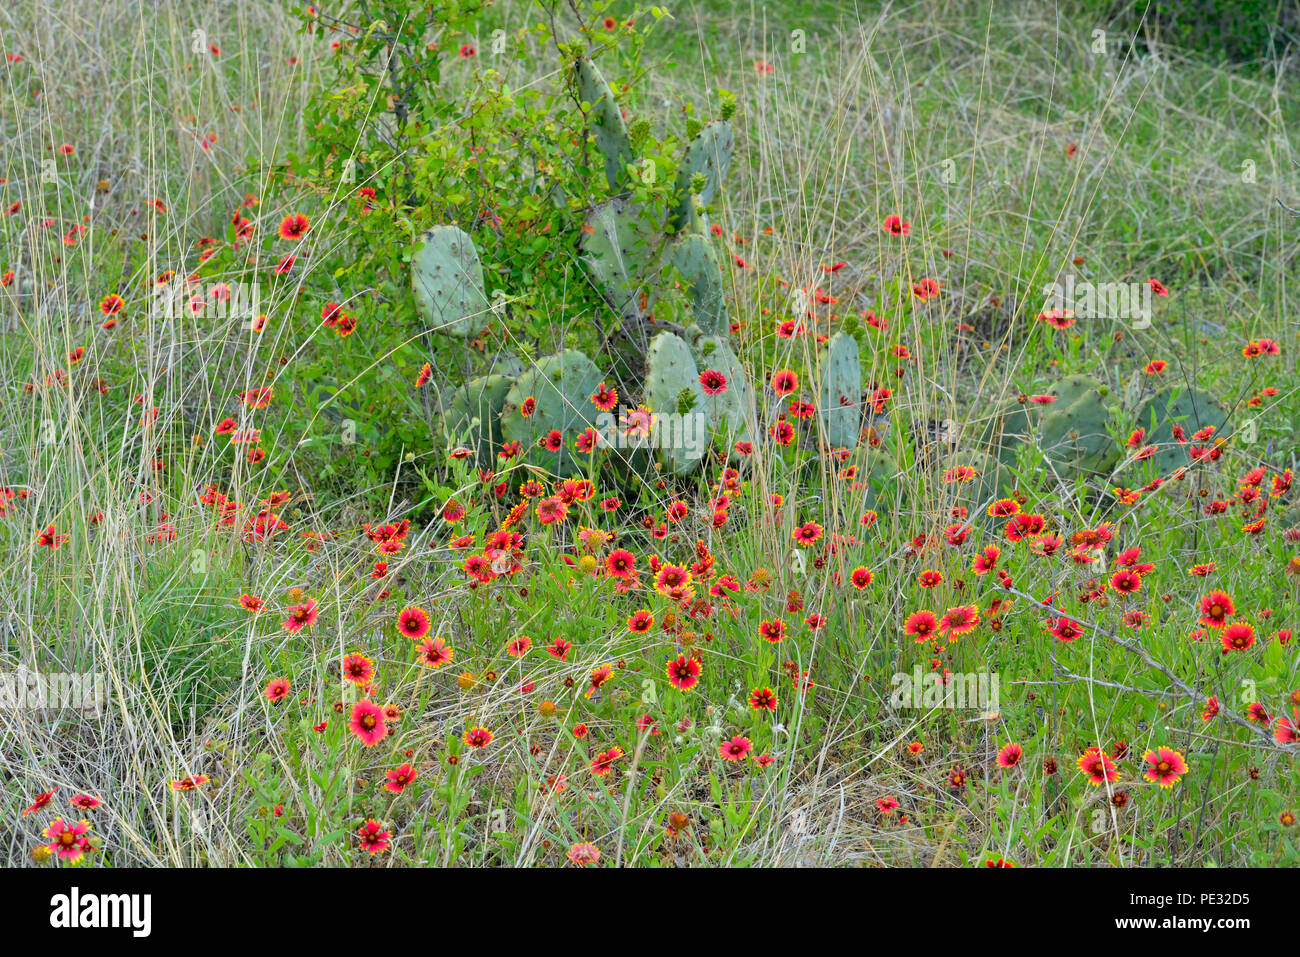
(1017, 153)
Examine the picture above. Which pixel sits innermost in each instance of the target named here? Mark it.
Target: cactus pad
(560, 387)
(1076, 439)
(730, 411)
(991, 480)
(1072, 388)
(709, 153)
(839, 406)
(607, 122)
(1191, 409)
(447, 282)
(1006, 429)
(617, 244)
(694, 258)
(475, 408)
(671, 376)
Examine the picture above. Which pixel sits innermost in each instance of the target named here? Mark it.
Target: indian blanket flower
(1097, 766)
(713, 382)
(1164, 766)
(671, 577)
(41, 802)
(478, 737)
(922, 625)
(1288, 729)
(583, 853)
(1136, 619)
(620, 563)
(1003, 508)
(1126, 581)
(807, 533)
(784, 381)
(399, 777)
(1238, 636)
(1216, 608)
(434, 653)
(301, 616)
(959, 621)
(367, 723)
(772, 631)
(51, 538)
(896, 226)
(1057, 317)
(277, 690)
(68, 841)
(737, 749)
(413, 622)
(294, 226)
(598, 678)
(926, 288)
(762, 698)
(1065, 629)
(986, 561)
(358, 669)
(603, 762)
(684, 672)
(1010, 756)
(374, 839)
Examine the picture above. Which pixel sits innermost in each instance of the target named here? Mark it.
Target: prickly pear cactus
(672, 387)
(1190, 409)
(731, 410)
(607, 122)
(1006, 429)
(447, 282)
(694, 258)
(1072, 388)
(839, 406)
(475, 409)
(710, 154)
(618, 245)
(975, 479)
(869, 477)
(1076, 438)
(561, 387)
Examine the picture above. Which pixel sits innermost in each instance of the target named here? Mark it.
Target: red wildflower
(736, 749)
(367, 723)
(1164, 766)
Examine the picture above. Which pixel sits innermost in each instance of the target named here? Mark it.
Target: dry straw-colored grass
(956, 114)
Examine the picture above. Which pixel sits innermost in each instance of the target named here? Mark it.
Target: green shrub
(1232, 31)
